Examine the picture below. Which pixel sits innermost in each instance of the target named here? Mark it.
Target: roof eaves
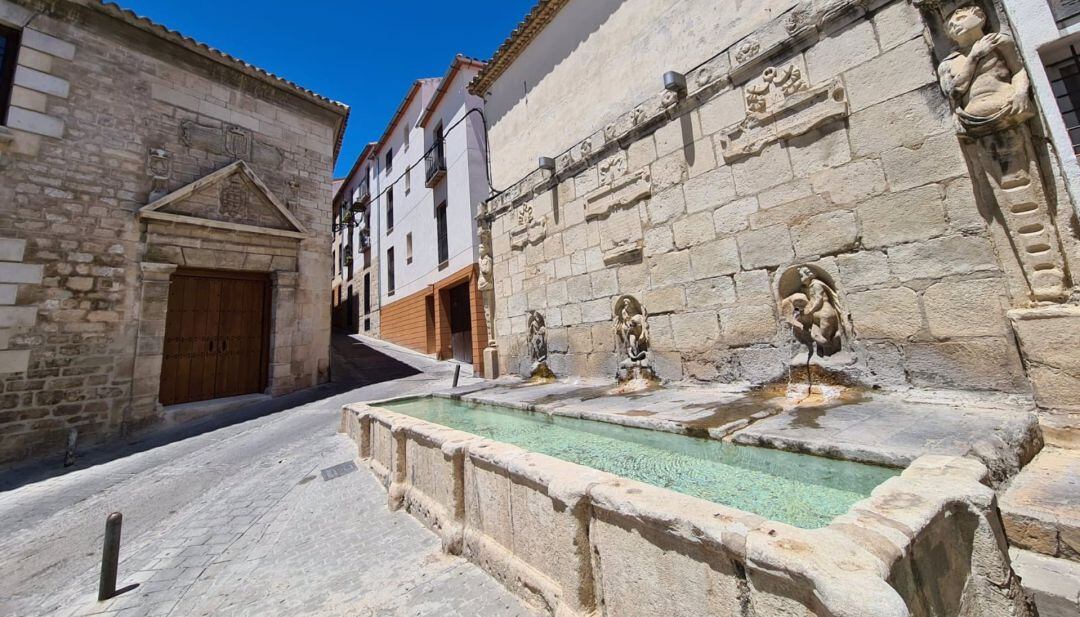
(460, 61)
(526, 31)
(413, 90)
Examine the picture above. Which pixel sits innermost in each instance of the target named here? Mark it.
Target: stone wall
(110, 114)
(820, 140)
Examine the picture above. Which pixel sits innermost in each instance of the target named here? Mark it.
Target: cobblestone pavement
(239, 520)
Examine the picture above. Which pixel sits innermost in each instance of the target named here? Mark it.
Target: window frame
(8, 61)
(442, 234)
(390, 274)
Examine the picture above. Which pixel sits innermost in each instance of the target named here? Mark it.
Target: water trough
(577, 541)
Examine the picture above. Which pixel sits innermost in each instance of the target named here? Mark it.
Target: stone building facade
(814, 183)
(149, 181)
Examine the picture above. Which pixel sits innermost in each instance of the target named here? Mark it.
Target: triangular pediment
(231, 198)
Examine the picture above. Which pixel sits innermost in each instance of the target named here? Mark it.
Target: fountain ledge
(572, 540)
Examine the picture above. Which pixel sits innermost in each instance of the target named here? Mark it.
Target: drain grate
(338, 470)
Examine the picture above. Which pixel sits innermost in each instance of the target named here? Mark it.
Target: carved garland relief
(780, 105)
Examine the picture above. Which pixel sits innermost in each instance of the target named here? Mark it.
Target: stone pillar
(283, 317)
(150, 343)
(486, 284)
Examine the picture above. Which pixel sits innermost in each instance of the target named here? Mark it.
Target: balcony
(362, 194)
(434, 165)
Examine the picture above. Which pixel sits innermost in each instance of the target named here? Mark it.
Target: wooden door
(216, 336)
(461, 323)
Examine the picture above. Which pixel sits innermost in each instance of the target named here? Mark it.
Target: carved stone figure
(989, 89)
(538, 350)
(485, 283)
(632, 333)
(813, 310)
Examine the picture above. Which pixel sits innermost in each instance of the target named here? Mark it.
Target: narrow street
(237, 518)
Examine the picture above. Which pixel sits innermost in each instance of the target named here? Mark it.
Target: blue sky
(360, 52)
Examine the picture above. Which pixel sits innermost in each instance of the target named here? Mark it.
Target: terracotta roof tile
(538, 18)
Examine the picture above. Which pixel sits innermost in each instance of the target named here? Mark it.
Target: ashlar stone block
(748, 324)
(966, 308)
(908, 216)
(767, 169)
(825, 234)
(891, 313)
(714, 258)
(693, 229)
(941, 257)
(938, 158)
(899, 70)
(709, 190)
(697, 330)
(766, 247)
(735, 216)
(850, 183)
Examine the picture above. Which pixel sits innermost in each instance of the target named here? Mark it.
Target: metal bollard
(457, 373)
(110, 556)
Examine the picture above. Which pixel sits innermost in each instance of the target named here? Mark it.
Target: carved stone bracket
(618, 193)
(528, 229)
(792, 110)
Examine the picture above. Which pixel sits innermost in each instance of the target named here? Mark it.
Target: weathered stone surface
(695, 330)
(1041, 509)
(904, 121)
(981, 364)
(744, 325)
(864, 268)
(767, 169)
(709, 190)
(894, 72)
(767, 247)
(716, 257)
(937, 158)
(892, 313)
(1048, 339)
(895, 218)
(966, 308)
(853, 182)
(941, 257)
(825, 234)
(734, 216)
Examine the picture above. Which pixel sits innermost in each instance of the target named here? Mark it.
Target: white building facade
(355, 295)
(429, 173)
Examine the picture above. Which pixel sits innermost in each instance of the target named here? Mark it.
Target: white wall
(464, 186)
(575, 78)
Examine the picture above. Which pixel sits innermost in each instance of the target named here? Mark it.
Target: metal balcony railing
(434, 164)
(362, 194)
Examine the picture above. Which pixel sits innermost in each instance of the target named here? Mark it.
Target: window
(408, 248)
(367, 293)
(389, 159)
(405, 137)
(408, 179)
(1065, 82)
(444, 241)
(9, 51)
(390, 209)
(390, 271)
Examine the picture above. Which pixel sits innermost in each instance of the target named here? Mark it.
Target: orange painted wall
(404, 322)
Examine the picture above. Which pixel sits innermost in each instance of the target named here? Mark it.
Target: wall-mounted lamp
(546, 162)
(675, 82)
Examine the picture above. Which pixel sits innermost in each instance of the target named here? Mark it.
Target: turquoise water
(798, 489)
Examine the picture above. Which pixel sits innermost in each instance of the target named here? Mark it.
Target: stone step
(1054, 583)
(1041, 508)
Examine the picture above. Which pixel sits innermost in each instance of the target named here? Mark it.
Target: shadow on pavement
(353, 365)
